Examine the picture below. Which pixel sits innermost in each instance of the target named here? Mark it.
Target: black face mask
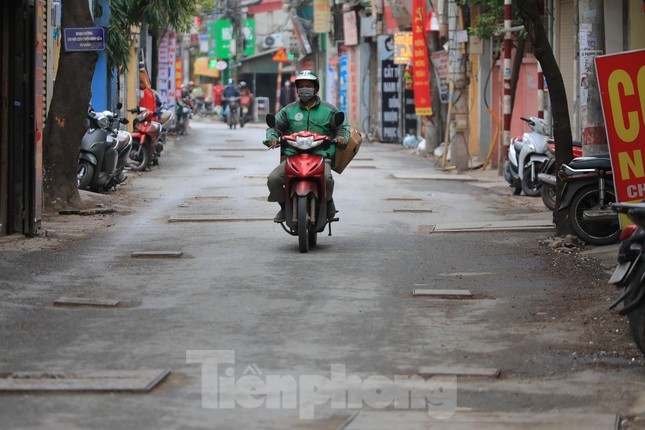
(306, 94)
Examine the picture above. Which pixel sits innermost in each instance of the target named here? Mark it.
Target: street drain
(419, 211)
(210, 197)
(231, 156)
(464, 274)
(108, 380)
(157, 254)
(256, 176)
(441, 293)
(87, 212)
(86, 301)
(363, 159)
(222, 168)
(403, 199)
(363, 167)
(235, 149)
(215, 219)
(490, 372)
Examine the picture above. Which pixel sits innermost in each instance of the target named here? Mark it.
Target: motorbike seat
(598, 161)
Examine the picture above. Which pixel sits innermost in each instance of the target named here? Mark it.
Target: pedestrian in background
(287, 94)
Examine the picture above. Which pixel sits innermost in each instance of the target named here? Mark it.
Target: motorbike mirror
(124, 121)
(338, 119)
(270, 119)
(119, 105)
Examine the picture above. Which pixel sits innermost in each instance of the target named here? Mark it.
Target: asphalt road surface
(211, 307)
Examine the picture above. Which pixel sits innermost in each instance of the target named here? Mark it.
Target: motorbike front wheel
(139, 156)
(594, 232)
(637, 316)
(530, 183)
(84, 174)
(303, 224)
(548, 196)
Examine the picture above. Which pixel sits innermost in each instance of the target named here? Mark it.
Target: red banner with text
(420, 70)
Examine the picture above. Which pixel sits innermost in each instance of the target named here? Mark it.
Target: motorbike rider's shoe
(280, 216)
(331, 209)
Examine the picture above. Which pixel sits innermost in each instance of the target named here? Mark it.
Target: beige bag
(344, 156)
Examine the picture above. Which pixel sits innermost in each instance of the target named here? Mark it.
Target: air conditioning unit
(272, 41)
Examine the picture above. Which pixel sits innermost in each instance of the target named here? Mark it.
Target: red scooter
(145, 139)
(305, 186)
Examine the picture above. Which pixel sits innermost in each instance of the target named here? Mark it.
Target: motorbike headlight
(304, 142)
(103, 122)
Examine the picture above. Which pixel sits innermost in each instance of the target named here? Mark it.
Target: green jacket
(297, 117)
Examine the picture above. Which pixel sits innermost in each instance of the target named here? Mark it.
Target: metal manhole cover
(108, 380)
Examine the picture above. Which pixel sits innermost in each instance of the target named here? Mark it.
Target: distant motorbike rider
(312, 114)
(246, 97)
(229, 91)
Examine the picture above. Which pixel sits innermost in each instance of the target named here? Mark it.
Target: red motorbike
(145, 139)
(305, 186)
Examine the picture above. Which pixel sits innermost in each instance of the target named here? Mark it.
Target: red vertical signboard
(422, 101)
(621, 80)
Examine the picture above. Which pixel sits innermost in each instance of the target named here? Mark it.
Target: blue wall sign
(84, 39)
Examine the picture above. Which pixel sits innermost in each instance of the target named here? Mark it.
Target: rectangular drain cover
(85, 301)
(214, 219)
(491, 372)
(424, 420)
(210, 197)
(222, 168)
(108, 380)
(413, 211)
(441, 293)
(157, 254)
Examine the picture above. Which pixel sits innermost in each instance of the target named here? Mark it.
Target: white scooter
(526, 156)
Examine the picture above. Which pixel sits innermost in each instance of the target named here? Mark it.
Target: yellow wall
(636, 25)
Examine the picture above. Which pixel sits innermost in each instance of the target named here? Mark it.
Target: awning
(200, 67)
(263, 63)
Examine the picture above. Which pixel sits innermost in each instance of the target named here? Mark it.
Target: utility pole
(591, 40)
(455, 137)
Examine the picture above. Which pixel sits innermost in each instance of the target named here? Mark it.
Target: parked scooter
(209, 109)
(145, 140)
(526, 156)
(586, 197)
(547, 175)
(630, 272)
(104, 151)
(164, 117)
(305, 186)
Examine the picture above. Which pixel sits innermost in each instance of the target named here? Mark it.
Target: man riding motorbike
(230, 91)
(312, 114)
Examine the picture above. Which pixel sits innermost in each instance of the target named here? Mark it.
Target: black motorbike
(630, 272)
(104, 151)
(586, 197)
(547, 175)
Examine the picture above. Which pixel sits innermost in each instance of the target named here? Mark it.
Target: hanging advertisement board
(389, 91)
(622, 92)
(420, 69)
